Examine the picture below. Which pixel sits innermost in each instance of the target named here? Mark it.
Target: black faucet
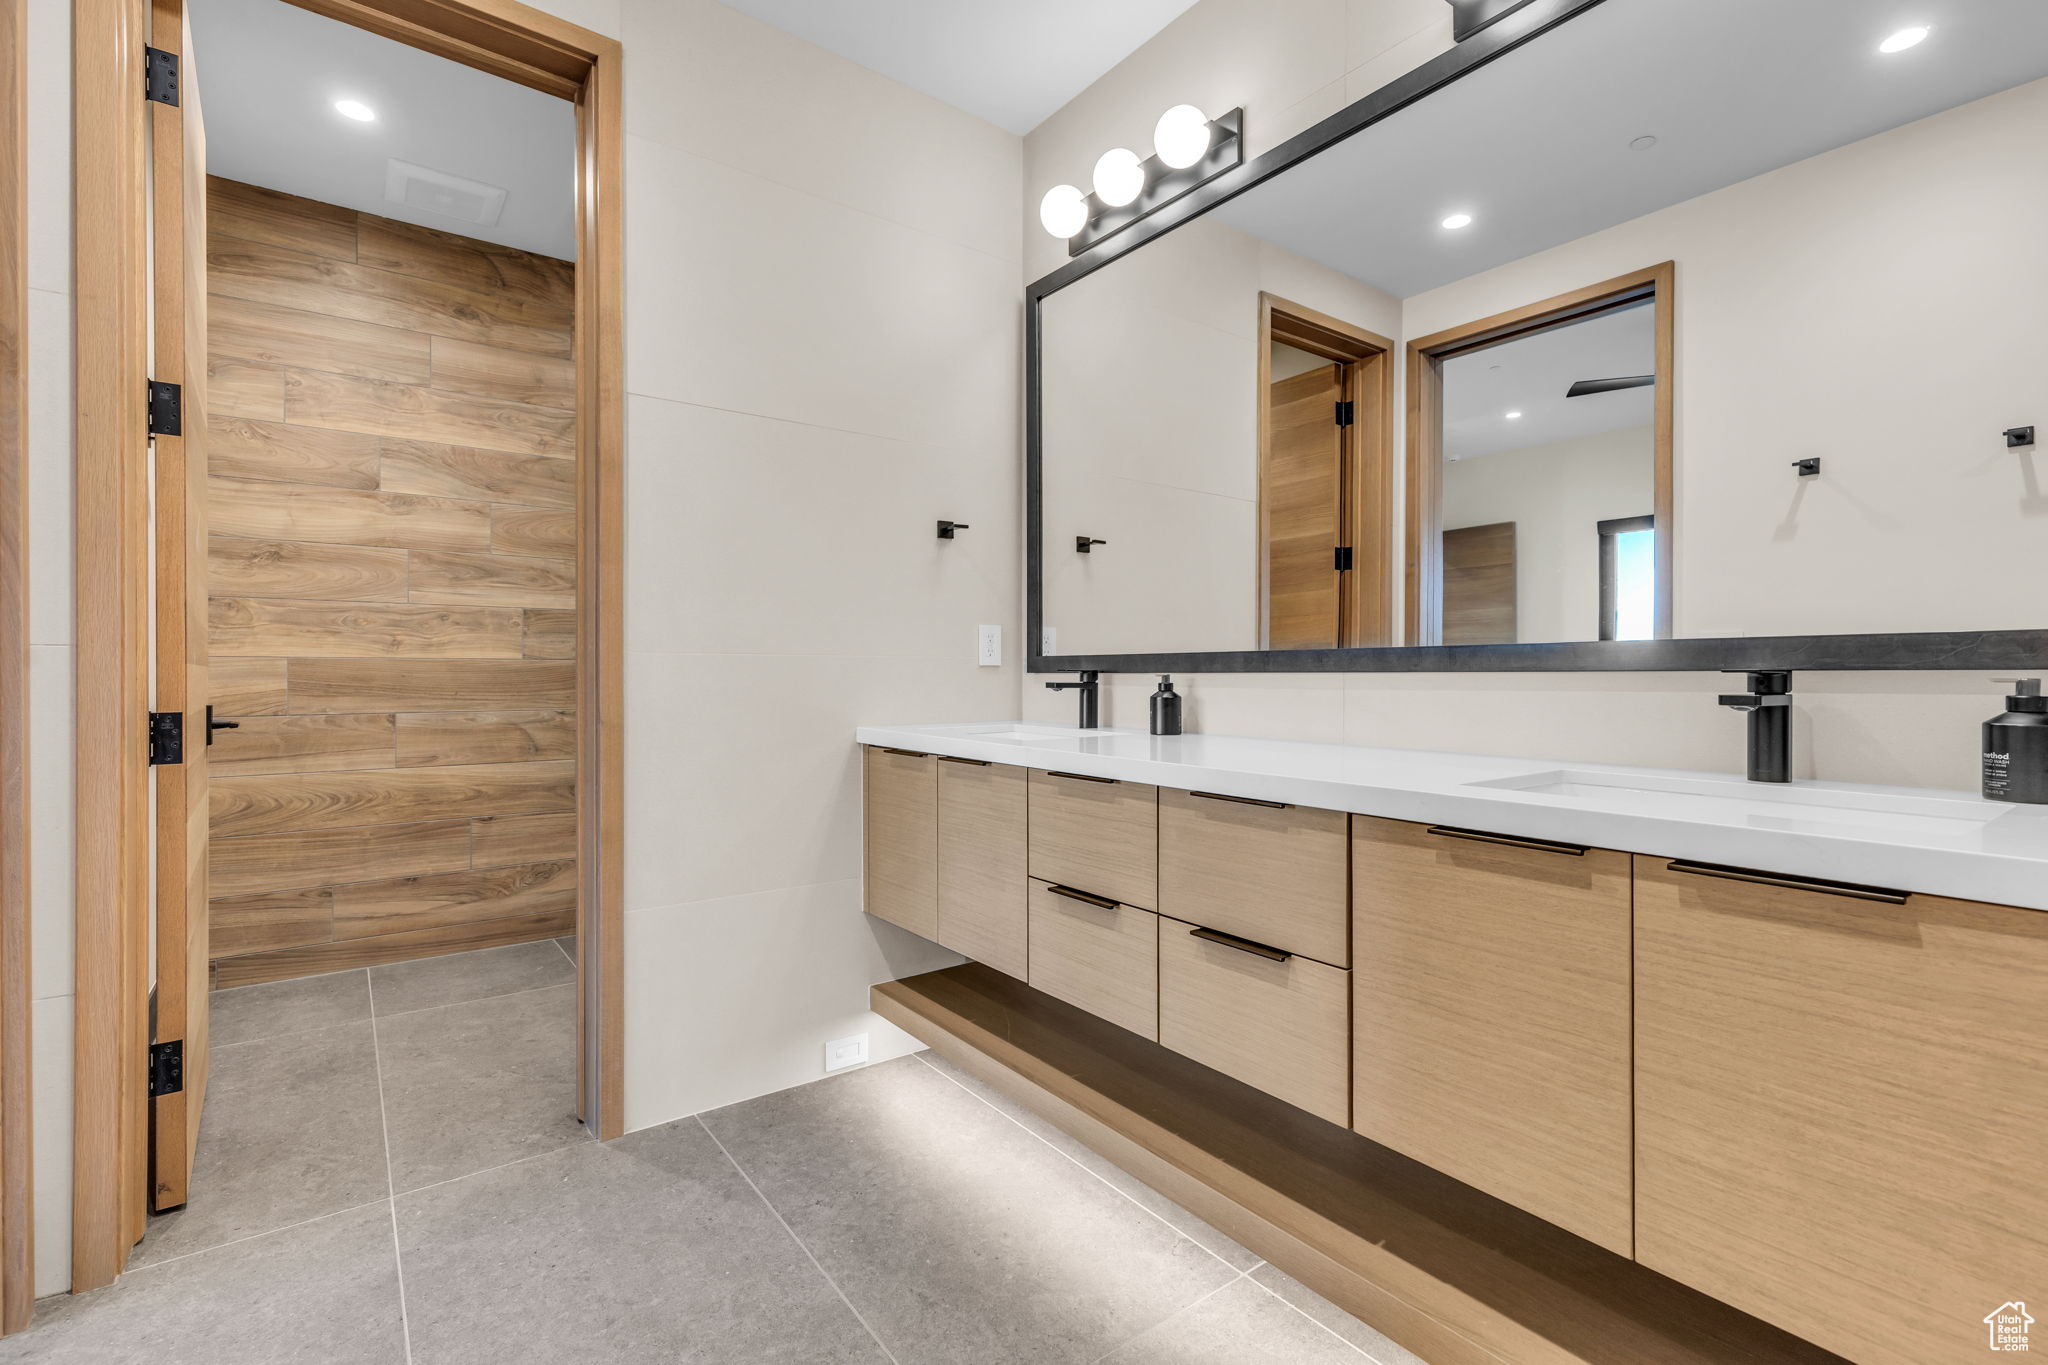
(1769, 703)
(1091, 704)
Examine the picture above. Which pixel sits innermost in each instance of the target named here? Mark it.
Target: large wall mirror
(1628, 333)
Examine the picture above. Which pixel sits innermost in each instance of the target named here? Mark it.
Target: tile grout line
(1097, 1175)
(458, 1004)
(1313, 1318)
(1186, 1308)
(250, 1237)
(587, 1140)
(802, 1246)
(566, 953)
(390, 1183)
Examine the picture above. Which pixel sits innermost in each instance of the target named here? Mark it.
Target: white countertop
(1905, 838)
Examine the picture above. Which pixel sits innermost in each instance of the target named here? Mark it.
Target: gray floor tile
(430, 981)
(291, 1130)
(471, 1086)
(567, 945)
(1233, 1254)
(649, 1248)
(1366, 1338)
(322, 1293)
(1240, 1324)
(957, 1235)
(245, 1013)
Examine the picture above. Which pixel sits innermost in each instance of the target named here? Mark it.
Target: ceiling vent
(437, 192)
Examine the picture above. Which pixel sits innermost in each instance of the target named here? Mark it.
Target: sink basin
(1761, 804)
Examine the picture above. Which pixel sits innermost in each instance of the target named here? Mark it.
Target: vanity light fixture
(1189, 149)
(355, 109)
(1458, 220)
(1182, 136)
(1905, 38)
(1064, 210)
(1119, 177)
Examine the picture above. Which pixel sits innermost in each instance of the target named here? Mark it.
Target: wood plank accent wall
(392, 580)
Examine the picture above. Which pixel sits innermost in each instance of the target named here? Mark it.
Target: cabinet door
(1097, 836)
(1097, 955)
(902, 872)
(1842, 1109)
(982, 906)
(1491, 1016)
(1260, 870)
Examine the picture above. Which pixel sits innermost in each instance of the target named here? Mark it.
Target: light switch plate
(842, 1053)
(989, 649)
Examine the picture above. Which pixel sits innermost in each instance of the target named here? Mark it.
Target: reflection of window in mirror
(1539, 472)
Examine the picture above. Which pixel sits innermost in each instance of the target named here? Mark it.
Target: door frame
(1366, 596)
(1426, 355)
(112, 812)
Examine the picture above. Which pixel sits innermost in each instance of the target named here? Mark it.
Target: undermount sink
(1791, 805)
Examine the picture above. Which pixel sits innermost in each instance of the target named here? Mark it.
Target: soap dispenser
(2016, 746)
(1165, 708)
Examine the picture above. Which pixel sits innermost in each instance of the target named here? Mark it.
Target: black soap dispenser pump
(1165, 708)
(2016, 746)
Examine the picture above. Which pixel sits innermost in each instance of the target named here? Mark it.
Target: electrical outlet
(842, 1053)
(989, 651)
(1048, 640)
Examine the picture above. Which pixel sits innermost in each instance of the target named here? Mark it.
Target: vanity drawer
(1274, 873)
(982, 911)
(901, 837)
(1283, 1026)
(1096, 955)
(1096, 835)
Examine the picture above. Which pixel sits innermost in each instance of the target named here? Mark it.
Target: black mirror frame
(1995, 650)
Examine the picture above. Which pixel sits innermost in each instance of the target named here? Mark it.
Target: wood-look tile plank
(446, 737)
(235, 388)
(268, 627)
(409, 249)
(347, 516)
(276, 862)
(281, 919)
(452, 471)
(413, 412)
(269, 334)
(283, 802)
(548, 531)
(500, 840)
(235, 209)
(494, 372)
(246, 687)
(302, 744)
(366, 909)
(329, 685)
(550, 633)
(293, 568)
(246, 448)
(492, 580)
(342, 955)
(293, 279)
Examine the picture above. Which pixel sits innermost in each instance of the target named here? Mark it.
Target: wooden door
(1479, 585)
(1301, 499)
(902, 840)
(178, 293)
(982, 905)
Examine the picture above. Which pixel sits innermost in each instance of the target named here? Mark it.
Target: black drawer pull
(1083, 777)
(1099, 902)
(1243, 945)
(1791, 882)
(1241, 800)
(976, 762)
(1510, 841)
(906, 753)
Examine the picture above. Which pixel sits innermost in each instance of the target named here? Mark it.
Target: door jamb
(507, 39)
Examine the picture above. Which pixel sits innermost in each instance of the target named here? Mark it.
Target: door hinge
(166, 1068)
(1344, 413)
(166, 737)
(160, 75)
(166, 409)
(1343, 558)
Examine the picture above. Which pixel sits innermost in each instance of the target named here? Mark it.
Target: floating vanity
(1472, 1045)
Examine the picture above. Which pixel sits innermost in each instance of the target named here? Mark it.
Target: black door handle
(212, 725)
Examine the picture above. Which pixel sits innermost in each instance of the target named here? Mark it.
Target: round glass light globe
(1119, 177)
(1063, 211)
(1182, 136)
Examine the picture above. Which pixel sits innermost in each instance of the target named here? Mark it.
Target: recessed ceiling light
(1643, 143)
(355, 109)
(1458, 220)
(1513, 415)
(1904, 38)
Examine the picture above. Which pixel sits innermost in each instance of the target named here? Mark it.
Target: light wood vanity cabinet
(1278, 874)
(1491, 1036)
(902, 839)
(1842, 1109)
(1097, 955)
(981, 851)
(1096, 836)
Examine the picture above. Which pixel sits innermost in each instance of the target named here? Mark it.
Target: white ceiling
(1011, 62)
(1530, 376)
(269, 74)
(1536, 148)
